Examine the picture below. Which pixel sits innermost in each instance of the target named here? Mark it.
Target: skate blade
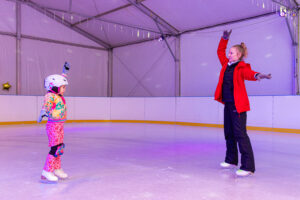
(62, 178)
(229, 168)
(244, 176)
(46, 181)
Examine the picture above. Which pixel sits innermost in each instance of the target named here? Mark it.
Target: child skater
(55, 109)
(231, 91)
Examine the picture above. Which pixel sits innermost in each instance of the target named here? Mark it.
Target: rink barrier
(268, 129)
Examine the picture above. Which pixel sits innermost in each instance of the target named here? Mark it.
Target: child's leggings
(55, 132)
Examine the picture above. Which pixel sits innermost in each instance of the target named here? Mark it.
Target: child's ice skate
(60, 174)
(48, 177)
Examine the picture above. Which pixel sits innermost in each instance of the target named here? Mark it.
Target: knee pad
(57, 150)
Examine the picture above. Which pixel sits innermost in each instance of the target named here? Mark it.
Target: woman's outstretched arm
(222, 47)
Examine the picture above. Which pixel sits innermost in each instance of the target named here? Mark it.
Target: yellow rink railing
(269, 129)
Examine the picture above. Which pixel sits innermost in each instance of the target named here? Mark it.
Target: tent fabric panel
(187, 15)
(87, 77)
(132, 16)
(150, 70)
(8, 16)
(37, 24)
(85, 7)
(270, 51)
(115, 34)
(8, 63)
(57, 4)
(93, 8)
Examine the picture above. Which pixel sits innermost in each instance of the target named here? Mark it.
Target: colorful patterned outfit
(55, 107)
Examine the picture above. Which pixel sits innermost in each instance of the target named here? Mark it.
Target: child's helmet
(55, 80)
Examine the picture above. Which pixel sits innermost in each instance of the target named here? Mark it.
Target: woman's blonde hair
(242, 49)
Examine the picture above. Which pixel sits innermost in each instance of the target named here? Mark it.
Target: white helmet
(55, 80)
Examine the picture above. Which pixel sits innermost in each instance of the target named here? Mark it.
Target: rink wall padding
(268, 113)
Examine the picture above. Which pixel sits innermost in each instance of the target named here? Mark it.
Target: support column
(294, 38)
(297, 77)
(296, 70)
(110, 74)
(18, 48)
(178, 66)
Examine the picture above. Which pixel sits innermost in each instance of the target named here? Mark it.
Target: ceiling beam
(103, 20)
(65, 23)
(61, 42)
(101, 14)
(291, 32)
(296, 3)
(154, 16)
(227, 23)
(129, 26)
(8, 34)
(135, 42)
(290, 4)
(104, 13)
(167, 43)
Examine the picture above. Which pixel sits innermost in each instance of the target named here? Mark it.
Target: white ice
(115, 161)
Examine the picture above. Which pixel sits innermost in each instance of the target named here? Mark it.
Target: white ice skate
(48, 177)
(243, 173)
(60, 173)
(226, 165)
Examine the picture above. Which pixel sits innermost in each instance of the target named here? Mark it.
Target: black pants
(236, 134)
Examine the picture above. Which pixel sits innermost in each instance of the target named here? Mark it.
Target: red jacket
(241, 73)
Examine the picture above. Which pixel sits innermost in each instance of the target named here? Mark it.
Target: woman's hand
(263, 76)
(226, 34)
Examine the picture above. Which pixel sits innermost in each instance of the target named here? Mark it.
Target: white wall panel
(221, 113)
(127, 108)
(18, 108)
(160, 109)
(208, 110)
(71, 107)
(286, 112)
(92, 108)
(261, 111)
(268, 111)
(198, 110)
(40, 102)
(187, 109)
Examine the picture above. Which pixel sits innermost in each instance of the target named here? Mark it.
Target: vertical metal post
(110, 74)
(178, 67)
(293, 36)
(297, 57)
(70, 6)
(295, 65)
(18, 48)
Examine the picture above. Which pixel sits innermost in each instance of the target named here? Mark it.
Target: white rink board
(266, 111)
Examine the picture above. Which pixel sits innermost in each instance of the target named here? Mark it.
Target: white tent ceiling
(114, 23)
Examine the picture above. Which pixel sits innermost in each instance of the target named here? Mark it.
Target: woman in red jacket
(231, 91)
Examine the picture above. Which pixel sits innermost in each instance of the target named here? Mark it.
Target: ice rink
(119, 161)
